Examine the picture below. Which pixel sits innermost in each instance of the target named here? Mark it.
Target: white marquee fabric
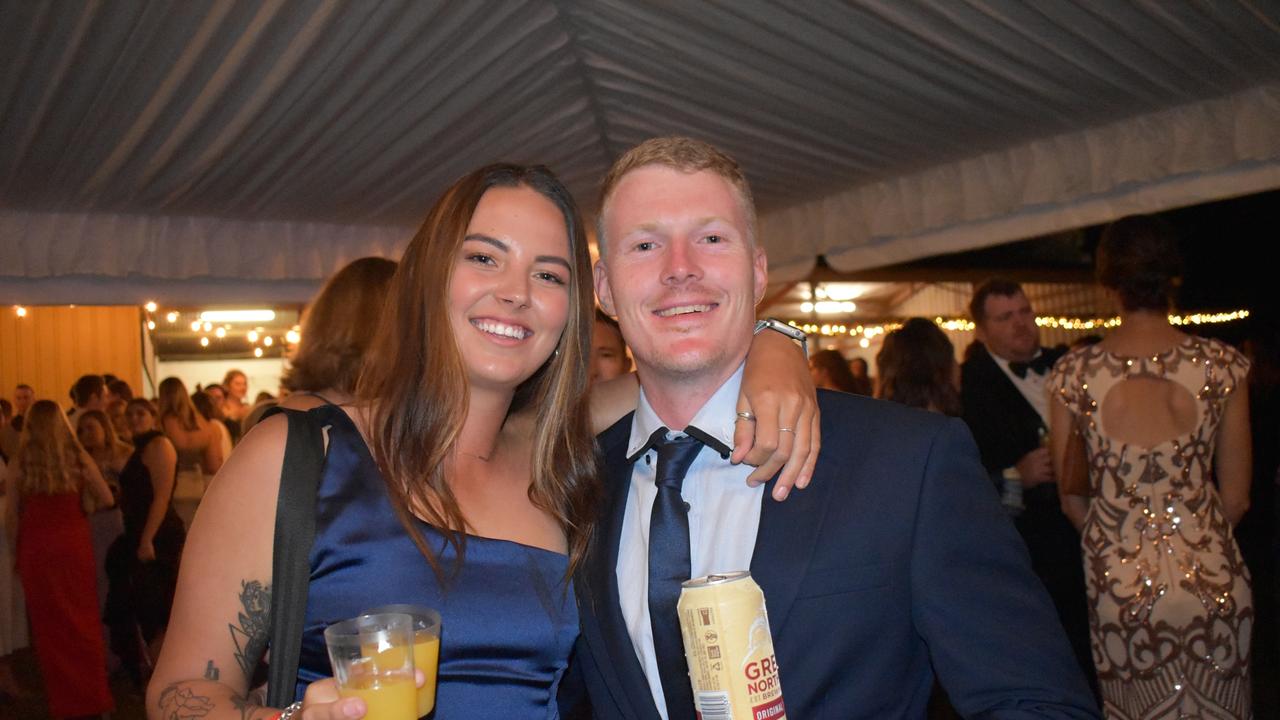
(257, 146)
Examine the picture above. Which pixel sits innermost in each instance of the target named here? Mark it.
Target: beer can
(729, 649)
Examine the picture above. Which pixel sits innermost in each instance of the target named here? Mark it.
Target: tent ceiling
(274, 140)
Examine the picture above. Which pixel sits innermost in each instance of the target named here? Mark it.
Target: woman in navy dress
(460, 476)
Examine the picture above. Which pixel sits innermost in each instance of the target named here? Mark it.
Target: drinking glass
(426, 648)
(372, 658)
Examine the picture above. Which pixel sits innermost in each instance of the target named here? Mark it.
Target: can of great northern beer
(729, 649)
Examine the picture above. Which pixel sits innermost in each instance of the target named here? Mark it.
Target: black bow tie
(1038, 365)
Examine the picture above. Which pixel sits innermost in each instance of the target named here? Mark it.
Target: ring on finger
(790, 430)
(747, 415)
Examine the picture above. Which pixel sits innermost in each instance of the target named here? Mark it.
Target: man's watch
(777, 325)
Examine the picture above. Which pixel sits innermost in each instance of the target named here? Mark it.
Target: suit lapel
(1011, 397)
(786, 541)
(616, 655)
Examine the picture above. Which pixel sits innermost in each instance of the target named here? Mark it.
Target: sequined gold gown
(1170, 606)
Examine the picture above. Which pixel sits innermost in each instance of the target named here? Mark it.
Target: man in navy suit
(896, 562)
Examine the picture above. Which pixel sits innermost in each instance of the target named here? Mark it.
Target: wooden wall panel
(53, 345)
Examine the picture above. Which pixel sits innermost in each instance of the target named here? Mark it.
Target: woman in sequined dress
(1151, 416)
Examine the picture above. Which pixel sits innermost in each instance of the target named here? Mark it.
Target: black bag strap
(290, 562)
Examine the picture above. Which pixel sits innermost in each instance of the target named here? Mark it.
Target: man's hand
(1036, 467)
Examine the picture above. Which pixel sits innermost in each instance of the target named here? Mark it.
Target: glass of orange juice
(372, 658)
(426, 648)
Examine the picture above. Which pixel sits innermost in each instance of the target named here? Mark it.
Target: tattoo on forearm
(250, 636)
(211, 671)
(179, 702)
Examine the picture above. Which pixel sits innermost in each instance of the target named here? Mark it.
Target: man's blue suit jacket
(895, 564)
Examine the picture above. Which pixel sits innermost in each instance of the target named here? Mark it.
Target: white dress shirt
(724, 515)
(1032, 386)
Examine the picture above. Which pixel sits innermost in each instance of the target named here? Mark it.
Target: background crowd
(109, 485)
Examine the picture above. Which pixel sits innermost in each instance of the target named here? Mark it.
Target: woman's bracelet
(288, 713)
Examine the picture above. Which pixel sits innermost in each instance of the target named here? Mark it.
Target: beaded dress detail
(1170, 607)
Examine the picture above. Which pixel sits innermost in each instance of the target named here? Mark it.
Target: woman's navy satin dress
(508, 616)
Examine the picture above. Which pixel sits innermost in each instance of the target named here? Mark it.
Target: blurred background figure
(115, 413)
(1002, 392)
(235, 407)
(212, 411)
(98, 437)
(13, 610)
(45, 521)
(198, 443)
(830, 371)
(336, 334)
(861, 377)
(609, 357)
(88, 393)
(916, 366)
(6, 429)
(142, 565)
(119, 390)
(23, 397)
(1142, 424)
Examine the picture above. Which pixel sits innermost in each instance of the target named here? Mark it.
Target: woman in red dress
(46, 521)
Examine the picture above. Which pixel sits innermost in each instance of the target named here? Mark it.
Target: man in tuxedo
(1002, 392)
(895, 563)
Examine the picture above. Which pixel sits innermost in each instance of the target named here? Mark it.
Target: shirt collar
(713, 424)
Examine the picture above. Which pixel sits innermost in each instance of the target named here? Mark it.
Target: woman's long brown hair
(173, 400)
(414, 378)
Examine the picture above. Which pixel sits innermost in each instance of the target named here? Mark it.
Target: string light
(220, 332)
(195, 326)
(257, 352)
(151, 324)
(171, 317)
(293, 336)
(1078, 324)
(204, 342)
(1208, 318)
(150, 306)
(268, 340)
(20, 311)
(960, 324)
(252, 335)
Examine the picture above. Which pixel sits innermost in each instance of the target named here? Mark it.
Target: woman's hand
(322, 702)
(146, 551)
(778, 424)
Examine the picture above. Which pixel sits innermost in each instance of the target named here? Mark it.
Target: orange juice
(426, 657)
(387, 697)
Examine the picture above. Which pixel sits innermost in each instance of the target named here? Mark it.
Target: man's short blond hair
(685, 155)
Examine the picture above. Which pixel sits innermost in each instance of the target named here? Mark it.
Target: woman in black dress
(142, 565)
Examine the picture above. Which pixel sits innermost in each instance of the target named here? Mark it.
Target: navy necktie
(668, 568)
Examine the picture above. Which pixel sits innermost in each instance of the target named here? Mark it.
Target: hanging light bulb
(267, 341)
(204, 342)
(171, 317)
(150, 306)
(257, 352)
